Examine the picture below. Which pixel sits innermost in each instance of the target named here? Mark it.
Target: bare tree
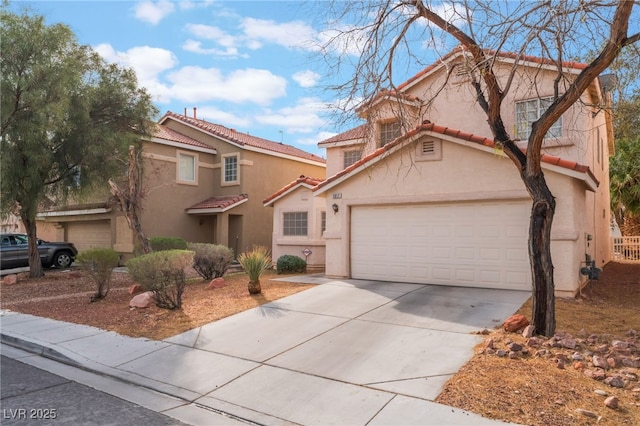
(386, 32)
(129, 195)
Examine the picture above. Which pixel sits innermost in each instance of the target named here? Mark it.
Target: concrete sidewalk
(347, 352)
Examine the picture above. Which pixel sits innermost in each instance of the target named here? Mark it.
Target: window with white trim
(186, 167)
(351, 157)
(527, 112)
(230, 169)
(389, 131)
(294, 224)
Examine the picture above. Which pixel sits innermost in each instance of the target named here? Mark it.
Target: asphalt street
(31, 396)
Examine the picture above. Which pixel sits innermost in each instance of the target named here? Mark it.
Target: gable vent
(428, 147)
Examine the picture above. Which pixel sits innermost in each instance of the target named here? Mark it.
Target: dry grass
(530, 390)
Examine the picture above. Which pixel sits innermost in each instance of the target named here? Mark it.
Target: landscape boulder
(135, 289)
(216, 283)
(10, 279)
(515, 322)
(142, 300)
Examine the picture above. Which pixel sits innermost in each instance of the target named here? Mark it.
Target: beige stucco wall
(240, 228)
(463, 174)
(300, 200)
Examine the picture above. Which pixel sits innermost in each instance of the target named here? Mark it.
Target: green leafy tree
(624, 170)
(68, 118)
(390, 35)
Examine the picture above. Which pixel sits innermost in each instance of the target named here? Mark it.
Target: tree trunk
(35, 264)
(543, 298)
(254, 287)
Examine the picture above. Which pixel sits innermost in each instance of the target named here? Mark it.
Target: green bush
(211, 260)
(99, 263)
(167, 243)
(255, 263)
(289, 263)
(163, 273)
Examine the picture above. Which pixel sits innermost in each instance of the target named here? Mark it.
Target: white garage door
(462, 244)
(85, 235)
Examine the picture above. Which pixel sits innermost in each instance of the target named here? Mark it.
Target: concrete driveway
(346, 352)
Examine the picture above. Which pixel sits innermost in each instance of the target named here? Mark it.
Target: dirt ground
(539, 386)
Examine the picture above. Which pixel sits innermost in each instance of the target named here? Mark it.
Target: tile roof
(163, 132)
(506, 55)
(222, 203)
(302, 180)
(355, 133)
(242, 139)
(427, 126)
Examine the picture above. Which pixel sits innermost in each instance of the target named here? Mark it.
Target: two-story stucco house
(421, 194)
(203, 182)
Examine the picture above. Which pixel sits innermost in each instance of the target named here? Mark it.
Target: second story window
(294, 224)
(323, 222)
(230, 169)
(389, 131)
(186, 168)
(351, 157)
(527, 112)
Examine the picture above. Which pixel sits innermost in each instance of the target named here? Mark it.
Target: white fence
(626, 248)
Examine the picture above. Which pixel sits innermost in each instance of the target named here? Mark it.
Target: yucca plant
(255, 262)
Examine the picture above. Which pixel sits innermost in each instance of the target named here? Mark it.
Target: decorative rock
(597, 374)
(10, 279)
(489, 351)
(142, 300)
(578, 365)
(612, 402)
(600, 362)
(488, 344)
(568, 343)
(577, 357)
(515, 347)
(534, 342)
(612, 362)
(600, 392)
(501, 353)
(586, 412)
(631, 362)
(619, 344)
(614, 381)
(528, 331)
(515, 322)
(135, 289)
(216, 283)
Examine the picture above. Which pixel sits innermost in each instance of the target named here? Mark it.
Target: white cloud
(196, 47)
(153, 12)
(306, 78)
(304, 117)
(313, 140)
(213, 33)
(147, 62)
(223, 117)
(196, 84)
(288, 34)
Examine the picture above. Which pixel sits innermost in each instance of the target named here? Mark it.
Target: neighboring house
(298, 222)
(429, 199)
(203, 182)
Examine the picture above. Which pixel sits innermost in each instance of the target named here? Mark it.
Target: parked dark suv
(15, 252)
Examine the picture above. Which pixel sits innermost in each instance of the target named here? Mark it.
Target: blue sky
(248, 65)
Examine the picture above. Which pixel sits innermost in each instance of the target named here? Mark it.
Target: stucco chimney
(194, 112)
(185, 111)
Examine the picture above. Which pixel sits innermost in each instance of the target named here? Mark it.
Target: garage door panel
(89, 234)
(470, 244)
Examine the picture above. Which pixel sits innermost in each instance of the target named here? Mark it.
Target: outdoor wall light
(335, 208)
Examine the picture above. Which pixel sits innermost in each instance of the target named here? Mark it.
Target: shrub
(99, 263)
(162, 273)
(211, 260)
(167, 243)
(290, 263)
(255, 263)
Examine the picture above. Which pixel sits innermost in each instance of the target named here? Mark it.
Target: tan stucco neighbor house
(203, 182)
(295, 208)
(421, 194)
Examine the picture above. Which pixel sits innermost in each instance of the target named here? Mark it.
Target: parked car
(15, 252)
